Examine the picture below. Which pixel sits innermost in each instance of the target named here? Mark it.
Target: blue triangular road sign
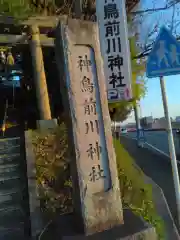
(164, 59)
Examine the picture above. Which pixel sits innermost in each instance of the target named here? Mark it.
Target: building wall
(146, 122)
(178, 119)
(160, 124)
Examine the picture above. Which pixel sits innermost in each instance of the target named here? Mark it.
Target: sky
(152, 103)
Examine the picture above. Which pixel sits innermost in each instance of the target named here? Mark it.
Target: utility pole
(39, 74)
(138, 125)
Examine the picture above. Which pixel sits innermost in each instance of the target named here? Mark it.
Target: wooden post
(39, 74)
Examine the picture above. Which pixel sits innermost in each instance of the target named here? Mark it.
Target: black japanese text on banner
(114, 42)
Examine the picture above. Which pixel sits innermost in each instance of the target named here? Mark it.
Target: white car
(123, 130)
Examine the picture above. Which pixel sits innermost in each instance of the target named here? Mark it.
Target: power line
(151, 10)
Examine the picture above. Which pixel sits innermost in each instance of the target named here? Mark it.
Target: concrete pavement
(155, 166)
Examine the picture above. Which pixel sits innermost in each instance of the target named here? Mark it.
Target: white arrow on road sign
(164, 59)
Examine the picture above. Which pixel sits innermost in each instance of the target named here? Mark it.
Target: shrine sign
(112, 21)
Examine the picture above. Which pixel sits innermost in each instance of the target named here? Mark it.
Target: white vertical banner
(113, 33)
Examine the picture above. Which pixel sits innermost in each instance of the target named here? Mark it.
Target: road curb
(163, 210)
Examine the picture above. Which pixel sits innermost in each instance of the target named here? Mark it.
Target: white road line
(163, 153)
(158, 150)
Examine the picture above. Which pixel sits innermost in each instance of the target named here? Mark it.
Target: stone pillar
(39, 74)
(97, 199)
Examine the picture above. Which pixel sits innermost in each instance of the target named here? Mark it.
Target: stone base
(134, 228)
(47, 124)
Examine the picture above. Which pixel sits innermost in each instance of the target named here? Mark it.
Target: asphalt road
(158, 139)
(157, 167)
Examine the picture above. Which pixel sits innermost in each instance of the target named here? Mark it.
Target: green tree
(120, 111)
(17, 8)
(23, 9)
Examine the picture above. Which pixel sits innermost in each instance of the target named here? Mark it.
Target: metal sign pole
(138, 127)
(171, 147)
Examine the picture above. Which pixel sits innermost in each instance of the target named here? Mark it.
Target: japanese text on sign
(93, 148)
(115, 48)
(96, 173)
(87, 86)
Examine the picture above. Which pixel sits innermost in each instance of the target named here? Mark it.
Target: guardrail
(158, 139)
